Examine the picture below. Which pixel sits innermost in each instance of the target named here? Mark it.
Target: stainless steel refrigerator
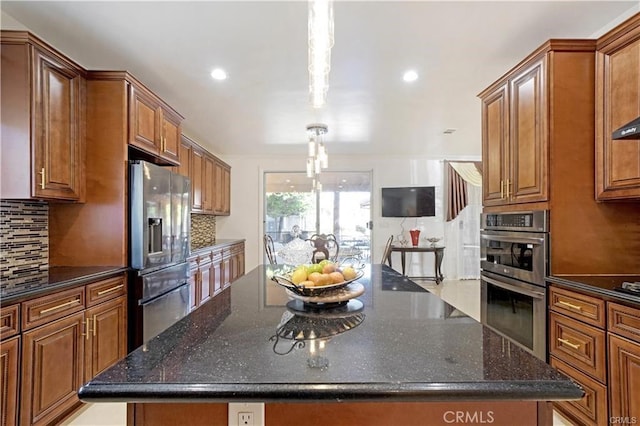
(159, 222)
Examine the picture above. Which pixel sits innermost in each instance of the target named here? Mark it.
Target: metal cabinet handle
(501, 189)
(509, 185)
(86, 328)
(69, 303)
(109, 290)
(570, 305)
(42, 178)
(568, 343)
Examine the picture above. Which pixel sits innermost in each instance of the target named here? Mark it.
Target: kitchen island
(394, 355)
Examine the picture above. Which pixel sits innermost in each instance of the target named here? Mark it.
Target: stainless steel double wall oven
(514, 259)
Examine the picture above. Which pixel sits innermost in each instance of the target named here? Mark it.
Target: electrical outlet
(245, 418)
(246, 414)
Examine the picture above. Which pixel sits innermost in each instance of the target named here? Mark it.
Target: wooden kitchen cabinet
(209, 185)
(185, 158)
(210, 180)
(9, 380)
(597, 344)
(577, 348)
(624, 360)
(67, 338)
(519, 126)
(617, 103)
(222, 181)
(43, 121)
(154, 127)
(105, 335)
(52, 369)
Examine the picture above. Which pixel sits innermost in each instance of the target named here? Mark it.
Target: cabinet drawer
(45, 309)
(577, 305)
(624, 320)
(592, 408)
(579, 345)
(105, 290)
(9, 323)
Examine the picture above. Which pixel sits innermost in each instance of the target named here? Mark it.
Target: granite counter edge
(543, 390)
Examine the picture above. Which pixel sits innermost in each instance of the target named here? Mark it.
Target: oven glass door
(515, 254)
(515, 311)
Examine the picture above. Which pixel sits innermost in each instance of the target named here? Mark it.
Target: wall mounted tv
(410, 201)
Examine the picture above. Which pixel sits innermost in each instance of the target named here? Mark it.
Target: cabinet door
(194, 285)
(170, 137)
(106, 342)
(185, 159)
(617, 103)
(9, 354)
(217, 279)
(209, 184)
(144, 113)
(624, 378)
(197, 174)
(52, 369)
(226, 192)
(58, 142)
(495, 146)
(206, 289)
(528, 160)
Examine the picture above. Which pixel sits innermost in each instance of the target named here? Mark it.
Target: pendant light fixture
(320, 44)
(318, 158)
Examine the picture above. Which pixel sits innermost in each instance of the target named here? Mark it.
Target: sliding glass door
(294, 211)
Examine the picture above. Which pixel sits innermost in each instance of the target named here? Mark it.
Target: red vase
(415, 237)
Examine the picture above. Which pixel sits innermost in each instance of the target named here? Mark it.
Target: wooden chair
(325, 247)
(386, 256)
(270, 249)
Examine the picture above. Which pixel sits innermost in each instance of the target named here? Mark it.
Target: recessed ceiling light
(449, 131)
(410, 76)
(219, 74)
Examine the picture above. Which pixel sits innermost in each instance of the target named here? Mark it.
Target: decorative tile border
(24, 238)
(203, 231)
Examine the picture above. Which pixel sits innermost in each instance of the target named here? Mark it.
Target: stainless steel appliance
(514, 253)
(159, 221)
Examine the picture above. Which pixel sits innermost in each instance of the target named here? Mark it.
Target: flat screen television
(410, 201)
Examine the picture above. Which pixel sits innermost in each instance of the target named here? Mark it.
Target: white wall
(247, 202)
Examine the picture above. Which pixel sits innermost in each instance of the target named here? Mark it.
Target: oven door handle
(514, 288)
(522, 240)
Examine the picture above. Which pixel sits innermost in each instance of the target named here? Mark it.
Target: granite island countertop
(397, 342)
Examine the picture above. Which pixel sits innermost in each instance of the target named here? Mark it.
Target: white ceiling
(458, 48)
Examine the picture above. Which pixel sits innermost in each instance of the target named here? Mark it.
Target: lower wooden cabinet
(67, 337)
(601, 356)
(213, 271)
(52, 369)
(105, 335)
(9, 364)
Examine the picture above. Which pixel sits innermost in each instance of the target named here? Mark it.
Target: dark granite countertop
(599, 285)
(54, 279)
(396, 342)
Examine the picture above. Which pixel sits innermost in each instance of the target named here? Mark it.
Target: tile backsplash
(203, 231)
(24, 238)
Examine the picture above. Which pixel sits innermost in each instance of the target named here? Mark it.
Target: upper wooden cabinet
(617, 103)
(210, 180)
(43, 133)
(154, 127)
(519, 123)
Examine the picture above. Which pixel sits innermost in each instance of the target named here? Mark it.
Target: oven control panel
(534, 221)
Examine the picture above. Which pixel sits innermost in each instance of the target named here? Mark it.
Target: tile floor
(463, 294)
